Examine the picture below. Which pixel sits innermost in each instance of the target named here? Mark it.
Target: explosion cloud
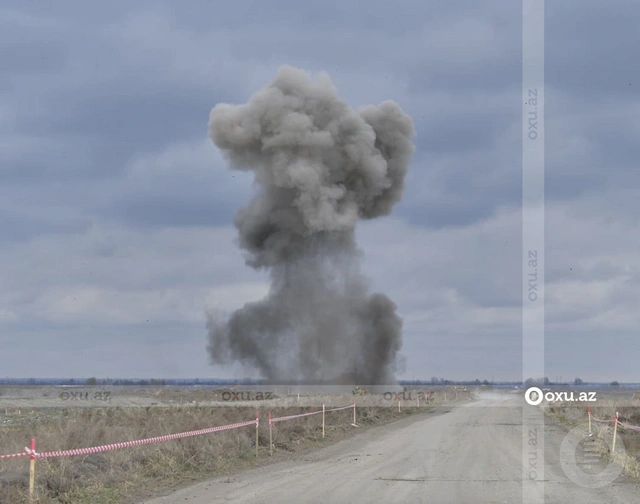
(319, 167)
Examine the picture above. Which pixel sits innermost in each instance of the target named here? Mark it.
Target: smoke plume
(319, 168)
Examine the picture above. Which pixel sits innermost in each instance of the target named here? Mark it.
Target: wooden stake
(589, 412)
(257, 432)
(398, 404)
(323, 411)
(615, 431)
(270, 436)
(32, 472)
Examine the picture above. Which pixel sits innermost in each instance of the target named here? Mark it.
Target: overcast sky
(116, 208)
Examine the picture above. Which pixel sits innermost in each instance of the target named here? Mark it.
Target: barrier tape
(627, 426)
(12, 455)
(157, 439)
(594, 419)
(343, 408)
(127, 444)
(290, 417)
(281, 419)
(613, 422)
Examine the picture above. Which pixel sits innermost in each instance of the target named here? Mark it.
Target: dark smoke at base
(320, 167)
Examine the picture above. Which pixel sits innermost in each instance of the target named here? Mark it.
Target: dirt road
(471, 455)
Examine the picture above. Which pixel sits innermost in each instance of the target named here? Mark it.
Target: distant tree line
(93, 381)
(530, 382)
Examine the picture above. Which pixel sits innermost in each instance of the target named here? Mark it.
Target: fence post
(354, 412)
(257, 429)
(270, 436)
(398, 403)
(32, 471)
(589, 413)
(323, 411)
(615, 431)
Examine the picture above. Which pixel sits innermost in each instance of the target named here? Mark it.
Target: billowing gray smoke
(320, 167)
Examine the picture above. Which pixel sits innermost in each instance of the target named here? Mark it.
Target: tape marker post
(257, 430)
(270, 435)
(354, 414)
(32, 470)
(615, 431)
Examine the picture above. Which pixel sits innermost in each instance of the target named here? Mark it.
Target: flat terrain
(470, 455)
(62, 418)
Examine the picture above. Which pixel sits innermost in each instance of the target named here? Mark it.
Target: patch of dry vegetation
(574, 414)
(129, 474)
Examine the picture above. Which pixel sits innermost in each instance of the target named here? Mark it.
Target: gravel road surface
(470, 455)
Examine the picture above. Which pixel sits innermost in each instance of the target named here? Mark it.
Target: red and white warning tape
(594, 419)
(169, 437)
(627, 426)
(12, 455)
(613, 422)
(351, 406)
(127, 444)
(290, 417)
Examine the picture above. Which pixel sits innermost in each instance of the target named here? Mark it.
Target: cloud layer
(117, 229)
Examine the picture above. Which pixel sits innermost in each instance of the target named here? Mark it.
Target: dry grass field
(60, 422)
(626, 403)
